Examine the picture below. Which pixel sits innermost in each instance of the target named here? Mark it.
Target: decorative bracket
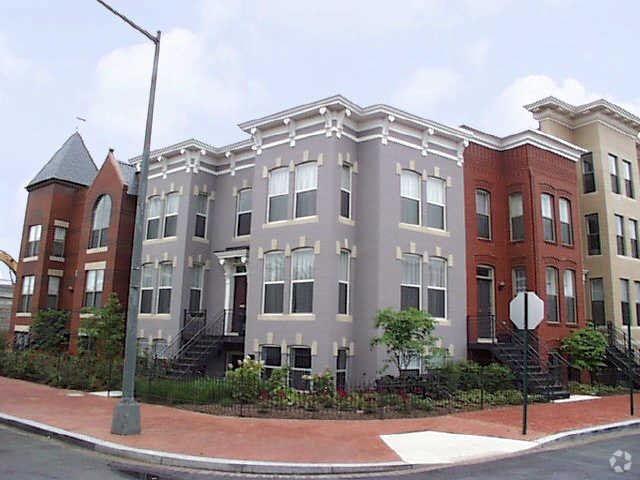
(426, 136)
(385, 128)
(340, 121)
(257, 141)
(460, 152)
(232, 162)
(291, 125)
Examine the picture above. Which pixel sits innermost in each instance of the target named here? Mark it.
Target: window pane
(342, 298)
(279, 182)
(273, 297)
(306, 203)
(173, 202)
(551, 281)
(302, 301)
(437, 273)
(153, 228)
(301, 358)
(146, 299)
(569, 283)
(410, 185)
(201, 226)
(565, 210)
(436, 303)
(435, 216)
(244, 224)
(410, 211)
(166, 272)
(302, 264)
(435, 191)
(520, 280)
(164, 300)
(196, 280)
(201, 202)
(345, 178)
(482, 202)
(278, 208)
(345, 206)
(170, 226)
(245, 200)
(154, 208)
(194, 300)
(147, 276)
(274, 267)
(102, 213)
(409, 297)
(411, 270)
(307, 176)
(547, 206)
(624, 290)
(54, 286)
(271, 356)
(34, 233)
(344, 266)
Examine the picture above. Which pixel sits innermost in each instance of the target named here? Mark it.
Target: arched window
(101, 221)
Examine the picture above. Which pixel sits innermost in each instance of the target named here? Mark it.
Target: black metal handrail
(619, 339)
(191, 319)
(207, 328)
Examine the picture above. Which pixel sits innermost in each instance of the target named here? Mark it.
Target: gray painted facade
(377, 143)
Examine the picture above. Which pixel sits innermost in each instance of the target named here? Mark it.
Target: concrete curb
(191, 461)
(573, 434)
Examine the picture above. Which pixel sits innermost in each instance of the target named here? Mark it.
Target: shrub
(246, 381)
(323, 382)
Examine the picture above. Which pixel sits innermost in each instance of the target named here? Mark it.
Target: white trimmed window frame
(346, 282)
(163, 287)
(271, 195)
(444, 288)
(145, 287)
(305, 190)
(169, 214)
(301, 251)
(239, 212)
(154, 200)
(266, 282)
(443, 184)
(198, 214)
(347, 191)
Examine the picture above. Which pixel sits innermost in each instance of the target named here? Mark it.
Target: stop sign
(536, 310)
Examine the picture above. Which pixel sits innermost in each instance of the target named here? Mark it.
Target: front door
(239, 304)
(486, 318)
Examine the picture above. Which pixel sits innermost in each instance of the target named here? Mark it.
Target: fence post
(481, 388)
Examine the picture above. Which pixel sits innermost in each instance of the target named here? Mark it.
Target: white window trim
(445, 288)
(551, 198)
(205, 215)
(293, 368)
(143, 288)
(347, 282)
(312, 281)
(418, 198)
(409, 285)
(270, 195)
(342, 189)
(488, 194)
(159, 218)
(514, 278)
(271, 282)
(572, 274)
(201, 267)
(296, 191)
(167, 215)
(512, 216)
(241, 212)
(556, 276)
(160, 287)
(266, 365)
(443, 182)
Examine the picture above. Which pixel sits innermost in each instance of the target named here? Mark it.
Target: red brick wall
(529, 170)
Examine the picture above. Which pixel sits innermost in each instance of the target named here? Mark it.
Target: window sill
(549, 242)
(340, 317)
(56, 259)
(23, 314)
(97, 250)
(421, 229)
(553, 324)
(520, 240)
(153, 241)
(295, 221)
(241, 238)
(87, 315)
(346, 221)
(568, 245)
(154, 316)
(200, 240)
(30, 259)
(442, 321)
(289, 317)
(482, 239)
(22, 328)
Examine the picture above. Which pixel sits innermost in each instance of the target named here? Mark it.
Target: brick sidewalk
(313, 441)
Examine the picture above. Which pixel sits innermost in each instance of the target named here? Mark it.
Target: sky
(222, 62)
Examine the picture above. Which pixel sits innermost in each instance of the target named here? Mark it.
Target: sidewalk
(179, 431)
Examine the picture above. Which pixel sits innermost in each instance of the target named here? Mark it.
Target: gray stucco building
(326, 213)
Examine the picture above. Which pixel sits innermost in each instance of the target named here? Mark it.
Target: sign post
(526, 311)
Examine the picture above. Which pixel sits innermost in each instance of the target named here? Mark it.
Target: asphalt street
(25, 456)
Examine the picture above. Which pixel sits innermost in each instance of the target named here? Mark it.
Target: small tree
(105, 329)
(587, 349)
(405, 334)
(50, 331)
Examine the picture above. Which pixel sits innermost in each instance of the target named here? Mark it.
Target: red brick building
(77, 237)
(523, 233)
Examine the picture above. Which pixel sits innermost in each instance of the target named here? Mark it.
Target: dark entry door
(239, 304)
(485, 309)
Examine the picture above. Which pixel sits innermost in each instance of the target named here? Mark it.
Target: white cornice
(535, 138)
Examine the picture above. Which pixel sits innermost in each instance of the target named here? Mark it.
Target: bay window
(171, 215)
(483, 214)
(437, 288)
(436, 203)
(516, 216)
(411, 282)
(302, 279)
(146, 288)
(101, 221)
(243, 212)
(165, 283)
(345, 191)
(35, 231)
(278, 196)
(343, 283)
(566, 229)
(202, 211)
(154, 212)
(551, 280)
(411, 197)
(28, 285)
(59, 237)
(306, 189)
(570, 295)
(53, 292)
(273, 282)
(93, 288)
(548, 223)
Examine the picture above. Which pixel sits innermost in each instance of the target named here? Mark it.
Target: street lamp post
(126, 415)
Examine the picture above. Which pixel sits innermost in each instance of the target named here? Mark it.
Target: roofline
(584, 109)
(197, 144)
(42, 183)
(535, 138)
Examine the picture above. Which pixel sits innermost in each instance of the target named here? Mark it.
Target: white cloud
(196, 80)
(506, 115)
(427, 87)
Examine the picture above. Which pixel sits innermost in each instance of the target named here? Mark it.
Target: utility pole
(126, 415)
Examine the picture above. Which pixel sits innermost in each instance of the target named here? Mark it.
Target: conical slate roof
(71, 163)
